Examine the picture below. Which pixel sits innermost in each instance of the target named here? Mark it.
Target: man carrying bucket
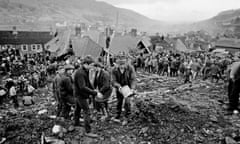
(123, 75)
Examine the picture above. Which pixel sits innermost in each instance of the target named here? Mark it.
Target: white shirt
(12, 91)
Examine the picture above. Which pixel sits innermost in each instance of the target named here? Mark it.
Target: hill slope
(217, 23)
(52, 11)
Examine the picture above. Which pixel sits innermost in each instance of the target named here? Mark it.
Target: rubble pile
(169, 123)
(164, 111)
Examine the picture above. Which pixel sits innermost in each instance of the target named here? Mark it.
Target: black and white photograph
(119, 71)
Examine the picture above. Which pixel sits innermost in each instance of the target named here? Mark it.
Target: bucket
(126, 91)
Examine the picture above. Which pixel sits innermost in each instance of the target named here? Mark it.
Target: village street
(165, 111)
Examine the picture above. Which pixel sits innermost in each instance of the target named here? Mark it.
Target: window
(39, 47)
(34, 47)
(24, 48)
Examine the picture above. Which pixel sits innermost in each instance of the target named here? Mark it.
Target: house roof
(123, 44)
(180, 46)
(93, 34)
(228, 43)
(59, 44)
(83, 46)
(24, 37)
(146, 41)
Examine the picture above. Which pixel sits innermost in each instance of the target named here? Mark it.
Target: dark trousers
(15, 101)
(65, 105)
(127, 105)
(82, 104)
(233, 93)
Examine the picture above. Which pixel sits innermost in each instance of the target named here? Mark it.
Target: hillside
(217, 23)
(47, 12)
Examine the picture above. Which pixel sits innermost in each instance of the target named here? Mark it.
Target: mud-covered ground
(165, 111)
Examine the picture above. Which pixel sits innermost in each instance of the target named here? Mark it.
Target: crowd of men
(84, 82)
(189, 66)
(90, 82)
(23, 72)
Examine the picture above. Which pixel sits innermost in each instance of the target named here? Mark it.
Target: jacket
(56, 89)
(103, 83)
(66, 86)
(127, 78)
(82, 85)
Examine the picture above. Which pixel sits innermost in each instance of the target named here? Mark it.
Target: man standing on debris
(66, 91)
(56, 90)
(123, 75)
(102, 83)
(82, 92)
(233, 87)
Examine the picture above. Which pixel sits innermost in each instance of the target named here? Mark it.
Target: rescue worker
(66, 91)
(102, 83)
(233, 87)
(123, 75)
(56, 90)
(82, 92)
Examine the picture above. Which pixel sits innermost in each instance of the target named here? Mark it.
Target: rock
(230, 140)
(64, 130)
(234, 135)
(144, 130)
(77, 137)
(213, 118)
(53, 117)
(71, 128)
(3, 140)
(113, 139)
(61, 135)
(124, 123)
(53, 140)
(75, 142)
(80, 130)
(235, 112)
(56, 129)
(42, 112)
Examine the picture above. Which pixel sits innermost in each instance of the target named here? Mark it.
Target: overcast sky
(177, 10)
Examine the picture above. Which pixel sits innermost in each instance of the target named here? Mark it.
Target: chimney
(14, 32)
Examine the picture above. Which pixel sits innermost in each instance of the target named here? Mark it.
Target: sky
(177, 10)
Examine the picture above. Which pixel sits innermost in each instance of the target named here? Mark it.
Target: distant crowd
(186, 65)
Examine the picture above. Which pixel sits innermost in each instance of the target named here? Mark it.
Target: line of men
(91, 82)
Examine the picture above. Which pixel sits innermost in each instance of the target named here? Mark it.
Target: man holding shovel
(123, 75)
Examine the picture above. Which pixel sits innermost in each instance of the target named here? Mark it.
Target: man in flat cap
(66, 91)
(123, 75)
(56, 90)
(82, 91)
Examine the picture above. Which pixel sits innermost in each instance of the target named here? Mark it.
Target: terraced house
(27, 42)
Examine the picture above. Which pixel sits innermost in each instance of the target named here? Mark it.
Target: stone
(42, 112)
(124, 123)
(213, 118)
(113, 139)
(230, 140)
(77, 137)
(56, 129)
(71, 128)
(144, 130)
(61, 135)
(75, 142)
